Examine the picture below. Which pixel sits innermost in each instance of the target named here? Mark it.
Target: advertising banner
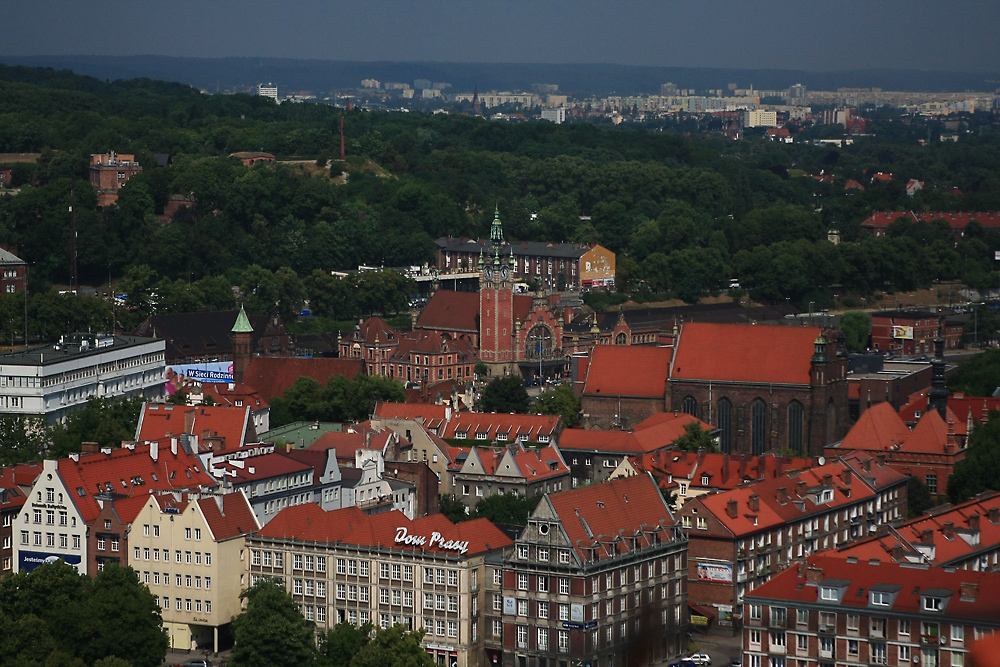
(899, 331)
(715, 572)
(29, 560)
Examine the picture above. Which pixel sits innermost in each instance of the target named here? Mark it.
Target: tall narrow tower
(242, 345)
(496, 303)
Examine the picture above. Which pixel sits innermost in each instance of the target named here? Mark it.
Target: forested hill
(685, 209)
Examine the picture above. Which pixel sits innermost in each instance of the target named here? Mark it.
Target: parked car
(200, 662)
(700, 659)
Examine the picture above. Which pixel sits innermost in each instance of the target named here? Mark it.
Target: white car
(701, 659)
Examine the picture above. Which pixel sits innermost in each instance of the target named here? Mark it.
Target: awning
(701, 616)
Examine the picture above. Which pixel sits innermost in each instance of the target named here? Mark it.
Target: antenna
(73, 280)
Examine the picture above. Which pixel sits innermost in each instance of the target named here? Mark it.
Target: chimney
(814, 574)
(154, 450)
(927, 536)
(827, 480)
(800, 488)
(968, 592)
(948, 530)
(753, 502)
(994, 515)
(974, 521)
(845, 476)
(897, 554)
(731, 509)
(782, 495)
(89, 447)
(880, 457)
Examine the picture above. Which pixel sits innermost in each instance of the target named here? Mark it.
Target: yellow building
(189, 550)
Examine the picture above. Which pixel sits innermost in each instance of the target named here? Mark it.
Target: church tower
(496, 303)
(242, 345)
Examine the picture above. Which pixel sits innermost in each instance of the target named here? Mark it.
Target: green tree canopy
(979, 376)
(453, 508)
(562, 401)
(505, 394)
(339, 644)
(510, 508)
(856, 325)
(695, 438)
(394, 647)
(980, 469)
(271, 632)
(340, 401)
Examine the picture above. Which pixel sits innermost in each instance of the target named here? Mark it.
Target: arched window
(795, 426)
(725, 424)
(690, 406)
(621, 339)
(539, 342)
(758, 427)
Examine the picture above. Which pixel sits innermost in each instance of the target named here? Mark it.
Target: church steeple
(496, 229)
(242, 344)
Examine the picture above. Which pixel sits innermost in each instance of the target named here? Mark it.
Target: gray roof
(73, 345)
(523, 249)
(7, 257)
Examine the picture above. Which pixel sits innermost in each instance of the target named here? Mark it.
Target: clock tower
(496, 303)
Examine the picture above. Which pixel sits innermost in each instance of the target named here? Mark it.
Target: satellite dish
(821, 460)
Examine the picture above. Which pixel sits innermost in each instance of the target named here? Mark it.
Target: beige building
(385, 569)
(189, 551)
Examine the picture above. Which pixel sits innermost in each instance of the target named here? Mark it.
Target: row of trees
(341, 400)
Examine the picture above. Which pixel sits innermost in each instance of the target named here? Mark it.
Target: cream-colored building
(385, 569)
(189, 551)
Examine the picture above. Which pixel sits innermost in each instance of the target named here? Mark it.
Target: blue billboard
(29, 560)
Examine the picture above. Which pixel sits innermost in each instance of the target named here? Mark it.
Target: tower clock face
(489, 272)
(504, 272)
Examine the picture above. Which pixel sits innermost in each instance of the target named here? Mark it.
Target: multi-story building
(13, 272)
(69, 502)
(598, 576)
(527, 472)
(910, 332)
(831, 611)
(15, 486)
(109, 172)
(190, 550)
(347, 566)
(625, 385)
(53, 380)
(740, 538)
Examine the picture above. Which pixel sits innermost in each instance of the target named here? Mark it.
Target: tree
(271, 632)
(339, 644)
(481, 370)
(104, 421)
(453, 508)
(560, 400)
(980, 469)
(978, 376)
(918, 497)
(505, 394)
(856, 325)
(695, 438)
(394, 647)
(509, 508)
(22, 439)
(124, 619)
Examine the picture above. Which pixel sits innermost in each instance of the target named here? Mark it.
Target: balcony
(826, 653)
(827, 629)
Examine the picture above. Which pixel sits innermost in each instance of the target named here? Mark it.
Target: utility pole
(73, 279)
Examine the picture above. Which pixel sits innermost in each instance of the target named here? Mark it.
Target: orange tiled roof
(271, 376)
(882, 428)
(459, 311)
(415, 411)
(491, 424)
(745, 353)
(628, 370)
(956, 219)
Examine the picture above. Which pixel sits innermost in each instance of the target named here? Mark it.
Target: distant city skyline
(785, 34)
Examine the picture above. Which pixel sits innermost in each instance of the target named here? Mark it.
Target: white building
(50, 526)
(557, 115)
(54, 380)
(267, 90)
(760, 118)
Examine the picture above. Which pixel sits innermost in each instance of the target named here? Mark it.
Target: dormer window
(704, 480)
(881, 598)
(828, 593)
(826, 496)
(932, 603)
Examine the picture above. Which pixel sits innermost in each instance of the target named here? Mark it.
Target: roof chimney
(814, 574)
(89, 447)
(800, 487)
(968, 592)
(753, 502)
(828, 480)
(948, 530)
(927, 536)
(845, 476)
(993, 515)
(974, 521)
(731, 509)
(782, 495)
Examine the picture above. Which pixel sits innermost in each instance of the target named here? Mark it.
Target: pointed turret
(242, 344)
(242, 322)
(496, 229)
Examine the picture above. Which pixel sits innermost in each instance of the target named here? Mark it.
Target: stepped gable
(758, 354)
(628, 370)
(602, 515)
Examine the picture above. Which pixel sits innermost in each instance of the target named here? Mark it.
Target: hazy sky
(795, 34)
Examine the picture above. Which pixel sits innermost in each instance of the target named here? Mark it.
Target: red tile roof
(724, 471)
(957, 219)
(351, 526)
(271, 376)
(233, 519)
(459, 311)
(628, 370)
(655, 433)
(227, 397)
(882, 428)
(233, 426)
(130, 472)
(260, 467)
(418, 412)
(745, 353)
(791, 586)
(601, 515)
(492, 423)
(16, 481)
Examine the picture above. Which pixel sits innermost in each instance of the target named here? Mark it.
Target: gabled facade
(523, 471)
(598, 576)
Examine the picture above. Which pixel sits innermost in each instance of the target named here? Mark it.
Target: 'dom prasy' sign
(436, 540)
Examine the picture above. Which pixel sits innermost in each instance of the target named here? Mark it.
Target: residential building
(598, 576)
(912, 332)
(556, 115)
(594, 455)
(15, 486)
(267, 90)
(485, 472)
(13, 272)
(764, 387)
(190, 550)
(109, 172)
(868, 612)
(760, 118)
(216, 428)
(68, 502)
(879, 380)
(501, 428)
(250, 158)
(740, 538)
(51, 381)
(347, 566)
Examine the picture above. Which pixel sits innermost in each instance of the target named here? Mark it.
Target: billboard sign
(29, 560)
(715, 573)
(899, 331)
(209, 371)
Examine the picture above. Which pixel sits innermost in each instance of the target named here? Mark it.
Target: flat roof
(74, 346)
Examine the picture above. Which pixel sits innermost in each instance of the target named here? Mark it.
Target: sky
(812, 35)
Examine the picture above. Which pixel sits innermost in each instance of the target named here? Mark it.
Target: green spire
(242, 322)
(496, 229)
